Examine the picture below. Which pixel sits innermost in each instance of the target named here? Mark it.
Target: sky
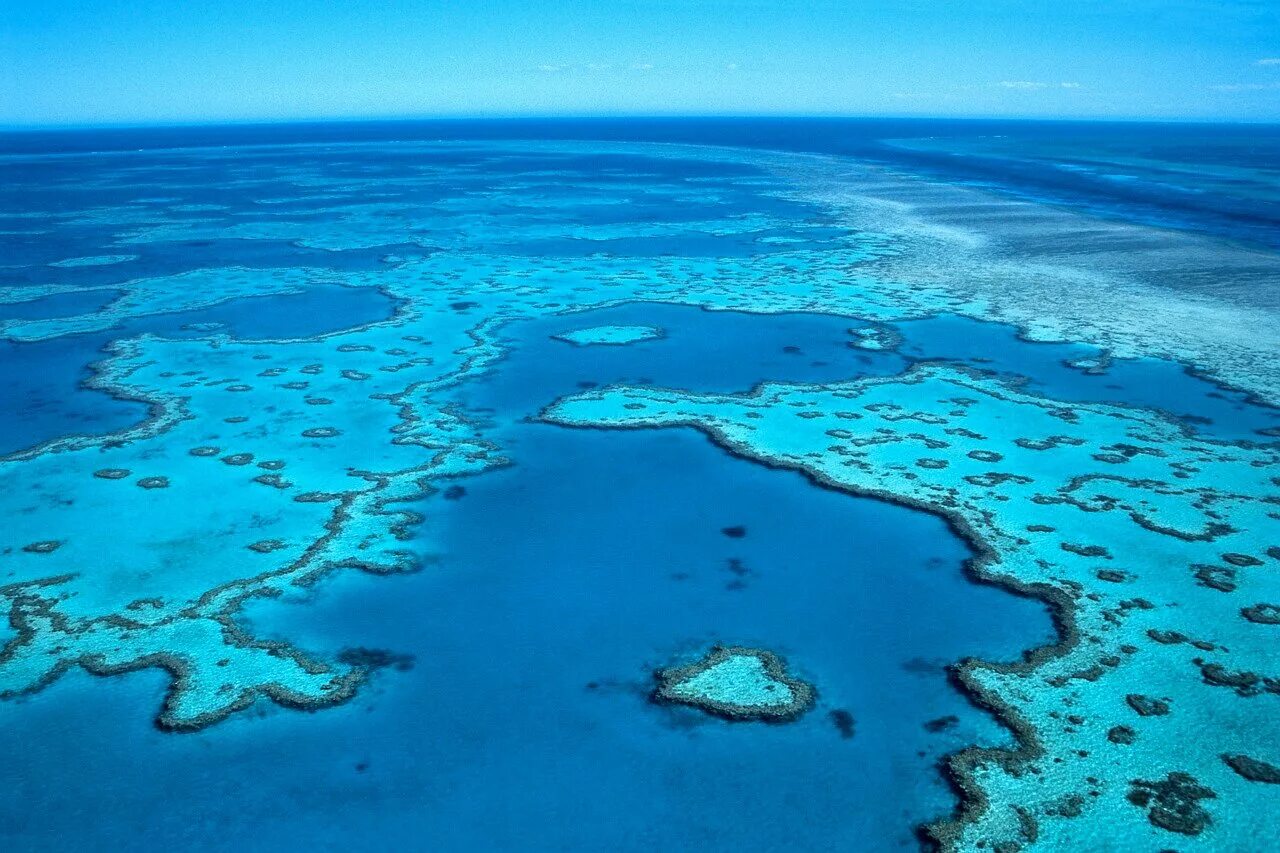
(147, 61)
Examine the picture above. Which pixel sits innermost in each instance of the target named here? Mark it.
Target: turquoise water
(40, 382)
(456, 445)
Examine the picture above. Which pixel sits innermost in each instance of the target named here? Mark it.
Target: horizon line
(194, 123)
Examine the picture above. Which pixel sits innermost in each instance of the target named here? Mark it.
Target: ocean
(363, 479)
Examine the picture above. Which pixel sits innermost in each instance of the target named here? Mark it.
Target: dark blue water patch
(731, 351)
(318, 310)
(522, 722)
(1200, 405)
(1172, 180)
(1025, 168)
(534, 643)
(700, 350)
(155, 260)
(55, 242)
(59, 305)
(41, 382)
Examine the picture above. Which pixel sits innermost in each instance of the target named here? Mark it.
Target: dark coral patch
(735, 532)
(1173, 803)
(321, 432)
(1253, 769)
(367, 658)
(48, 546)
(317, 497)
(1262, 614)
(1123, 735)
(274, 480)
(111, 473)
(1146, 706)
(1243, 682)
(941, 724)
(843, 721)
(154, 483)
(1215, 577)
(1086, 550)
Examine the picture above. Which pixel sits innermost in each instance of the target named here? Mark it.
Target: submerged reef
(1026, 486)
(609, 335)
(737, 683)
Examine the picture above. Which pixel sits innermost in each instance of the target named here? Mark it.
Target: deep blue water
(178, 256)
(1218, 179)
(59, 305)
(1200, 405)
(732, 351)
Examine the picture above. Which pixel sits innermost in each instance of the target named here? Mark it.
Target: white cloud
(643, 66)
(1021, 84)
(1069, 85)
(1272, 61)
(552, 69)
(731, 66)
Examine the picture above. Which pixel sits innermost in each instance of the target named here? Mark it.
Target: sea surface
(412, 281)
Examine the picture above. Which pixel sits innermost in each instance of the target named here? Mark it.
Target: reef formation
(609, 335)
(1151, 545)
(1157, 547)
(737, 683)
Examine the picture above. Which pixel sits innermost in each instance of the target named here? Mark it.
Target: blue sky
(112, 61)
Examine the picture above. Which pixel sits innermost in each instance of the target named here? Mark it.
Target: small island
(737, 683)
(609, 335)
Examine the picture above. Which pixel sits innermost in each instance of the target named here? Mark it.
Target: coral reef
(609, 335)
(737, 683)
(1024, 486)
